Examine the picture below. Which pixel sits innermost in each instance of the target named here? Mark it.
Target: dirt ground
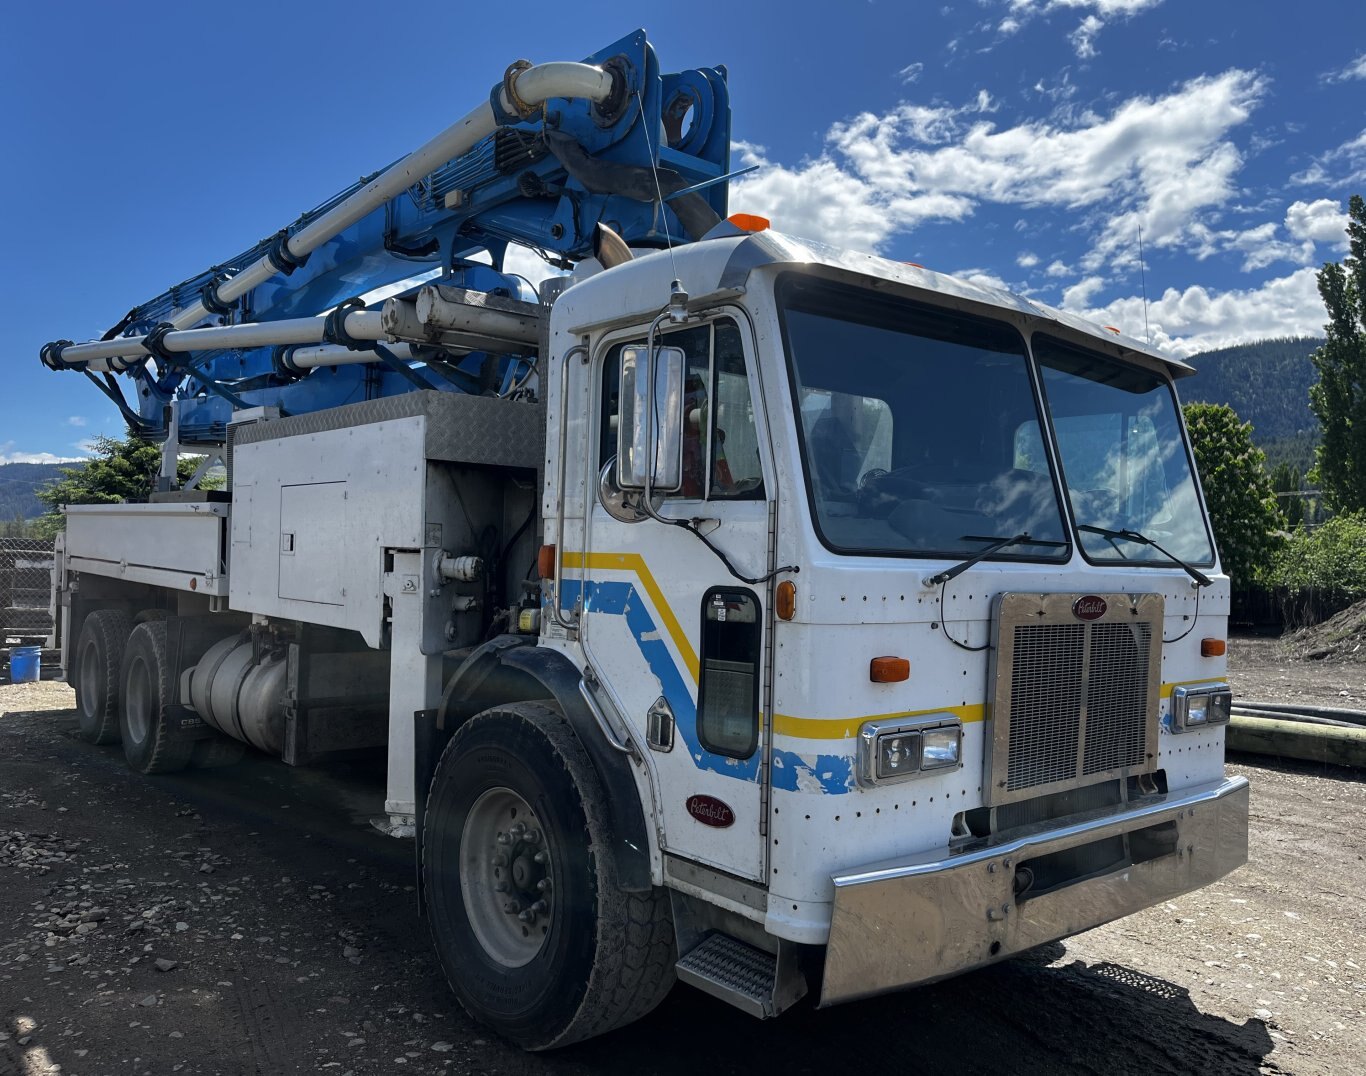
(250, 921)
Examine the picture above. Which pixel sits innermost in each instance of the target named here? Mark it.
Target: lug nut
(500, 860)
(532, 836)
(543, 886)
(539, 908)
(541, 858)
(512, 907)
(503, 838)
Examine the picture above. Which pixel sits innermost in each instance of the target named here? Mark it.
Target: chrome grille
(1116, 696)
(1074, 702)
(1045, 694)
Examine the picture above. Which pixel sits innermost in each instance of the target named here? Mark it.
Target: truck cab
(918, 649)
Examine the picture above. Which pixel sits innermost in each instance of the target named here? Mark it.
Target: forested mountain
(1267, 383)
(19, 483)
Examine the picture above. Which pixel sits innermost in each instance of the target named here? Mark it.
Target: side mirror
(650, 430)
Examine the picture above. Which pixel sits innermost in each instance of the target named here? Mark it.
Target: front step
(733, 971)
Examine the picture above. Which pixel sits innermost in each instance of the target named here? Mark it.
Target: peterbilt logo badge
(710, 811)
(1089, 607)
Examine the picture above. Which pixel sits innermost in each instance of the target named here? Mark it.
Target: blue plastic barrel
(24, 664)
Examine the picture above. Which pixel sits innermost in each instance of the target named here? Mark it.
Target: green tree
(119, 470)
(1339, 398)
(1284, 480)
(1242, 506)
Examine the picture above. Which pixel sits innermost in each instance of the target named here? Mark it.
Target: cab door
(676, 638)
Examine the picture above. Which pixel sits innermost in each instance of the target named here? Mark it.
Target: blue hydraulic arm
(544, 178)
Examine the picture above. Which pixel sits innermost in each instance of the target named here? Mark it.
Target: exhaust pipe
(609, 248)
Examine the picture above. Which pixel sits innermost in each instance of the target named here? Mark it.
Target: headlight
(941, 747)
(1199, 705)
(900, 748)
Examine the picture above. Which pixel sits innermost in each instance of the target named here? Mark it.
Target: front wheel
(531, 928)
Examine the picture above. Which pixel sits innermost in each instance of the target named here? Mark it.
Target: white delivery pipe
(533, 86)
(306, 358)
(112, 355)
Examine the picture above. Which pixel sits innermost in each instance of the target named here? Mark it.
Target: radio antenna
(1143, 283)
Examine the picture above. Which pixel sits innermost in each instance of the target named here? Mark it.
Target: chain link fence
(25, 591)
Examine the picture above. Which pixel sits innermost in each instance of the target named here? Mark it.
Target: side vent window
(728, 694)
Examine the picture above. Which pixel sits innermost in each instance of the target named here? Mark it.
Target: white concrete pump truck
(737, 610)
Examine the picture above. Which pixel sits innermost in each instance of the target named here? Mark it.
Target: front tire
(535, 936)
(150, 744)
(99, 660)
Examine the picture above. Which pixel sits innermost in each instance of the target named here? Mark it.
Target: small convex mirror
(635, 452)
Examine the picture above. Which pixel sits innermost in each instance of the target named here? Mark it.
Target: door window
(720, 441)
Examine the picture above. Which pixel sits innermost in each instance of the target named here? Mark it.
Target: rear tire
(99, 660)
(516, 814)
(150, 744)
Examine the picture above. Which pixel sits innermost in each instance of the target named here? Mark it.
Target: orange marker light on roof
(1213, 648)
(1111, 328)
(889, 670)
(748, 222)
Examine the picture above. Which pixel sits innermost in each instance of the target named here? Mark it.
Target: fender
(511, 668)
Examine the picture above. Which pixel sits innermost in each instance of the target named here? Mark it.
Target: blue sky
(1024, 142)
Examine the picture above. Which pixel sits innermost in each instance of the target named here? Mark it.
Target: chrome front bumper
(922, 918)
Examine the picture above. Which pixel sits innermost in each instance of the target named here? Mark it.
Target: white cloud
(1337, 167)
(75, 420)
(1197, 319)
(1058, 269)
(1322, 221)
(1083, 38)
(1097, 14)
(8, 455)
(1027, 260)
(1080, 294)
(523, 261)
(911, 73)
(1355, 69)
(1157, 164)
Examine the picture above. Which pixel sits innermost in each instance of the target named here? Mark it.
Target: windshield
(909, 420)
(1123, 456)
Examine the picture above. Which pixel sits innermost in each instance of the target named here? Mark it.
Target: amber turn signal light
(888, 670)
(1213, 648)
(545, 562)
(785, 600)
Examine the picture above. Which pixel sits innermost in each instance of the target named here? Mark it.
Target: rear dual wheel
(534, 934)
(99, 664)
(151, 743)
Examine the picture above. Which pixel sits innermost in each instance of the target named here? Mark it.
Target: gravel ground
(249, 921)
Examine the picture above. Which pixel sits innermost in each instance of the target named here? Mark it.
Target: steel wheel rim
(139, 700)
(90, 678)
(505, 877)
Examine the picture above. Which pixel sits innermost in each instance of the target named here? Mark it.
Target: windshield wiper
(1142, 539)
(997, 544)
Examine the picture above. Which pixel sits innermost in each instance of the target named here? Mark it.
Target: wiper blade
(1142, 539)
(997, 544)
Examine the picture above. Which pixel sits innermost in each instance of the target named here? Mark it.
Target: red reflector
(545, 562)
(889, 670)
